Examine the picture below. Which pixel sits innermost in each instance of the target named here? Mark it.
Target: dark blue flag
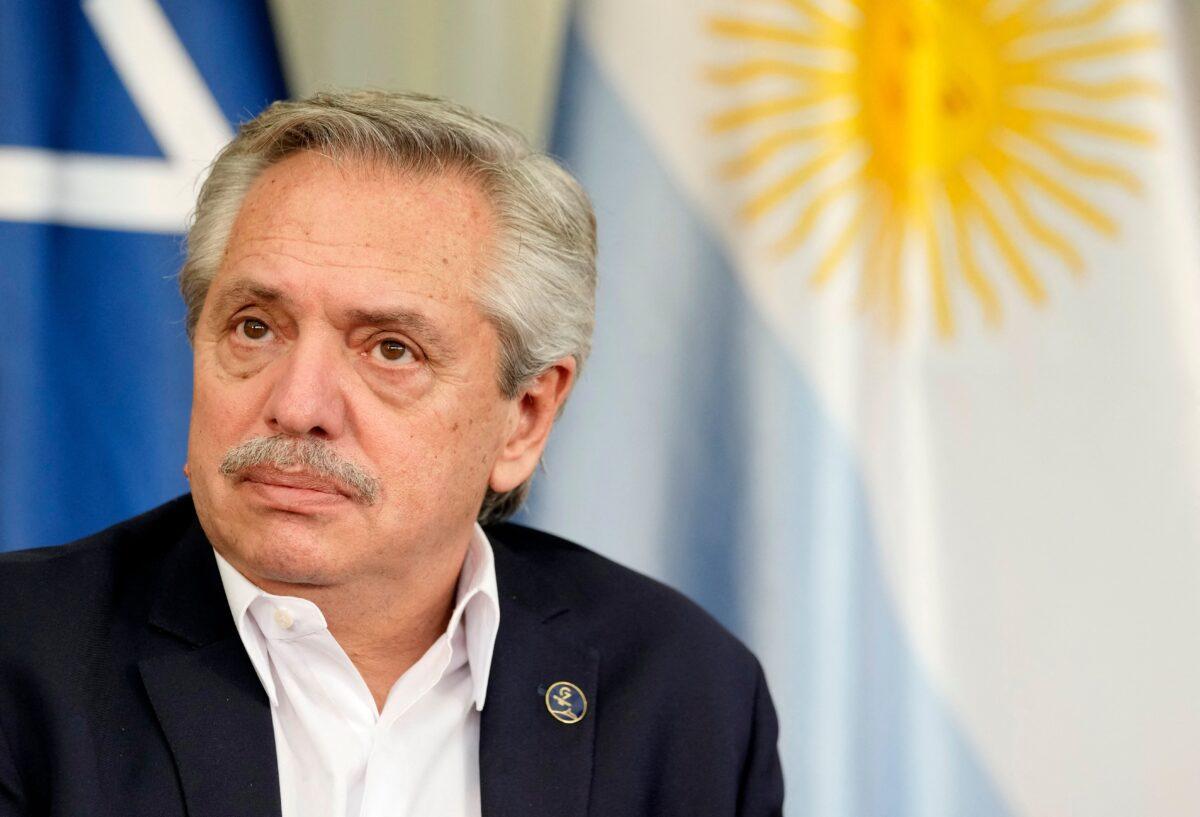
(111, 111)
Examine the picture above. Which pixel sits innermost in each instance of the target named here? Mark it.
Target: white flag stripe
(160, 76)
(120, 192)
(86, 190)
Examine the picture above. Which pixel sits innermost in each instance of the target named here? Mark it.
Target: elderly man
(389, 299)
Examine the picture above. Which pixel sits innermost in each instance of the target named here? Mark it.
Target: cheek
(443, 453)
(478, 431)
(221, 412)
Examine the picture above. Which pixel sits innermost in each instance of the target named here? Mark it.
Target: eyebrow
(414, 322)
(246, 291)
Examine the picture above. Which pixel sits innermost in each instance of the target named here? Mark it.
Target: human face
(343, 313)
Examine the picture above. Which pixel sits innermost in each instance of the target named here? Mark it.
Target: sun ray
(1107, 90)
(1097, 49)
(1093, 125)
(1089, 169)
(1022, 11)
(973, 274)
(942, 313)
(886, 256)
(1042, 232)
(771, 197)
(755, 111)
(841, 245)
(770, 145)
(1016, 21)
(1017, 263)
(770, 32)
(813, 210)
(893, 271)
(1085, 17)
(815, 12)
(1068, 199)
(830, 79)
(882, 209)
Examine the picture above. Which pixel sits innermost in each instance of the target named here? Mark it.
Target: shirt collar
(476, 610)
(240, 592)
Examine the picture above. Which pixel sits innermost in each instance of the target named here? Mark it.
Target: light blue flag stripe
(692, 442)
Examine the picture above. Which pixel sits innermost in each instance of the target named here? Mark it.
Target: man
(389, 299)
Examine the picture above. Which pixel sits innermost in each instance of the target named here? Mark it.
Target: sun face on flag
(970, 132)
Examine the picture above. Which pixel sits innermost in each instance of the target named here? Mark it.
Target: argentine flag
(897, 371)
(112, 110)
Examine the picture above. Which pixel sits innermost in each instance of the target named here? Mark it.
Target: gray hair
(540, 293)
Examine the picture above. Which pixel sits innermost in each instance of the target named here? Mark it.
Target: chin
(280, 551)
(293, 558)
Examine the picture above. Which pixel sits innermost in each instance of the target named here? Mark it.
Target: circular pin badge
(566, 702)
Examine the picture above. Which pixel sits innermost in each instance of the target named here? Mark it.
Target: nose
(307, 396)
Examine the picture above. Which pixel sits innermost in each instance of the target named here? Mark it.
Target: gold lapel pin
(565, 702)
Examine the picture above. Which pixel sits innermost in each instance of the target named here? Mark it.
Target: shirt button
(284, 618)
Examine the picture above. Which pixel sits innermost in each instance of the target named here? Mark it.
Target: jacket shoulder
(612, 603)
(62, 585)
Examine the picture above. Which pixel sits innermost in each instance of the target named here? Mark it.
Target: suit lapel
(530, 763)
(208, 699)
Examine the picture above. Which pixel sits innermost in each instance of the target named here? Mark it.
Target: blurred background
(897, 360)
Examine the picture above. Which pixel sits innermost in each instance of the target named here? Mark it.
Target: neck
(385, 632)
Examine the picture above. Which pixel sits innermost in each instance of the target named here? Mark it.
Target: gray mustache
(314, 456)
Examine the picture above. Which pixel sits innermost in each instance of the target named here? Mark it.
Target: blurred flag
(897, 372)
(112, 109)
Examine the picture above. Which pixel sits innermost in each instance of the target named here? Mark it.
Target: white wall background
(496, 56)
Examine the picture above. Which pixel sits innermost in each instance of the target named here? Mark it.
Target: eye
(253, 329)
(393, 350)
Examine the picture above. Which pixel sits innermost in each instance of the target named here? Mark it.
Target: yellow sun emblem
(957, 118)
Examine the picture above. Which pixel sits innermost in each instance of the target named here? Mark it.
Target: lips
(266, 475)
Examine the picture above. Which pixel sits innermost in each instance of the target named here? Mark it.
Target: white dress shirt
(338, 755)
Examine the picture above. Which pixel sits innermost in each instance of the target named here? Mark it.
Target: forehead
(346, 216)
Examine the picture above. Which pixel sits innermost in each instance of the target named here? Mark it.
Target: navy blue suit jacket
(125, 690)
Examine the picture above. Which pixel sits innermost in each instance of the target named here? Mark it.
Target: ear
(534, 411)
